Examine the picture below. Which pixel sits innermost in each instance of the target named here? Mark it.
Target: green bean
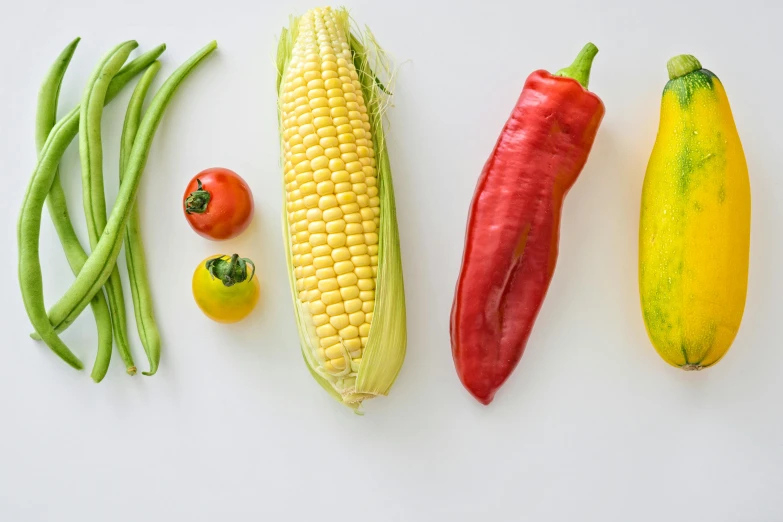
(58, 209)
(29, 229)
(70, 127)
(134, 247)
(94, 198)
(100, 264)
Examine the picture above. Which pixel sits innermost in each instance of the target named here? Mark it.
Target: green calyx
(580, 69)
(681, 65)
(231, 270)
(198, 200)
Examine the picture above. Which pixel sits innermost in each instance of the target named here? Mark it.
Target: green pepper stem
(580, 69)
(681, 65)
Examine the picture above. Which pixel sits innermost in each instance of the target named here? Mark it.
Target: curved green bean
(100, 264)
(58, 210)
(49, 93)
(134, 247)
(70, 127)
(29, 228)
(94, 199)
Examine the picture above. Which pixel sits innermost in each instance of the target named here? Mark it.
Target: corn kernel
(321, 112)
(358, 250)
(317, 307)
(341, 254)
(343, 267)
(340, 321)
(329, 285)
(332, 298)
(328, 273)
(354, 347)
(344, 198)
(334, 352)
(335, 226)
(369, 226)
(319, 251)
(347, 279)
(326, 330)
(355, 239)
(349, 332)
(335, 309)
(336, 240)
(322, 175)
(352, 227)
(327, 202)
(325, 187)
(320, 320)
(363, 272)
(321, 162)
(310, 201)
(349, 292)
(340, 176)
(332, 214)
(326, 342)
(356, 318)
(355, 217)
(353, 305)
(327, 142)
(318, 239)
(310, 140)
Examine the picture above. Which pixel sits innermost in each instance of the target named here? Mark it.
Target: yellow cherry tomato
(226, 288)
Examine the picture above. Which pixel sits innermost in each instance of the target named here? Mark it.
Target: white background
(593, 425)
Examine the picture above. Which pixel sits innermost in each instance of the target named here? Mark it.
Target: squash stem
(681, 65)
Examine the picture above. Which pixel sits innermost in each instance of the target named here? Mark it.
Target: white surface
(593, 425)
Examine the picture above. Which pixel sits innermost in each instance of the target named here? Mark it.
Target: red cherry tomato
(218, 204)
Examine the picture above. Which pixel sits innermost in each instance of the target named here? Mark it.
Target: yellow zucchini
(694, 232)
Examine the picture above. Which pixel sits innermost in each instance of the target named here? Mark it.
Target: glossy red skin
(230, 210)
(513, 228)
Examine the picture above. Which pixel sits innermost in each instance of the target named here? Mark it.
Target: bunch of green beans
(106, 235)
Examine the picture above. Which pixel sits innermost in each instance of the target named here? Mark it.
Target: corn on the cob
(339, 219)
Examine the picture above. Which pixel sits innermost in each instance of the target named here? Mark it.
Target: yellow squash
(694, 234)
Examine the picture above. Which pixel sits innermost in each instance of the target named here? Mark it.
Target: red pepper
(514, 222)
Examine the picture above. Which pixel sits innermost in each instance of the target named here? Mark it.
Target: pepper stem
(681, 65)
(580, 69)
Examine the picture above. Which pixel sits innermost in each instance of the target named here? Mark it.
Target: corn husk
(384, 353)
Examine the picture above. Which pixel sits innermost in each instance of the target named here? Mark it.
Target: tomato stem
(198, 200)
(231, 270)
